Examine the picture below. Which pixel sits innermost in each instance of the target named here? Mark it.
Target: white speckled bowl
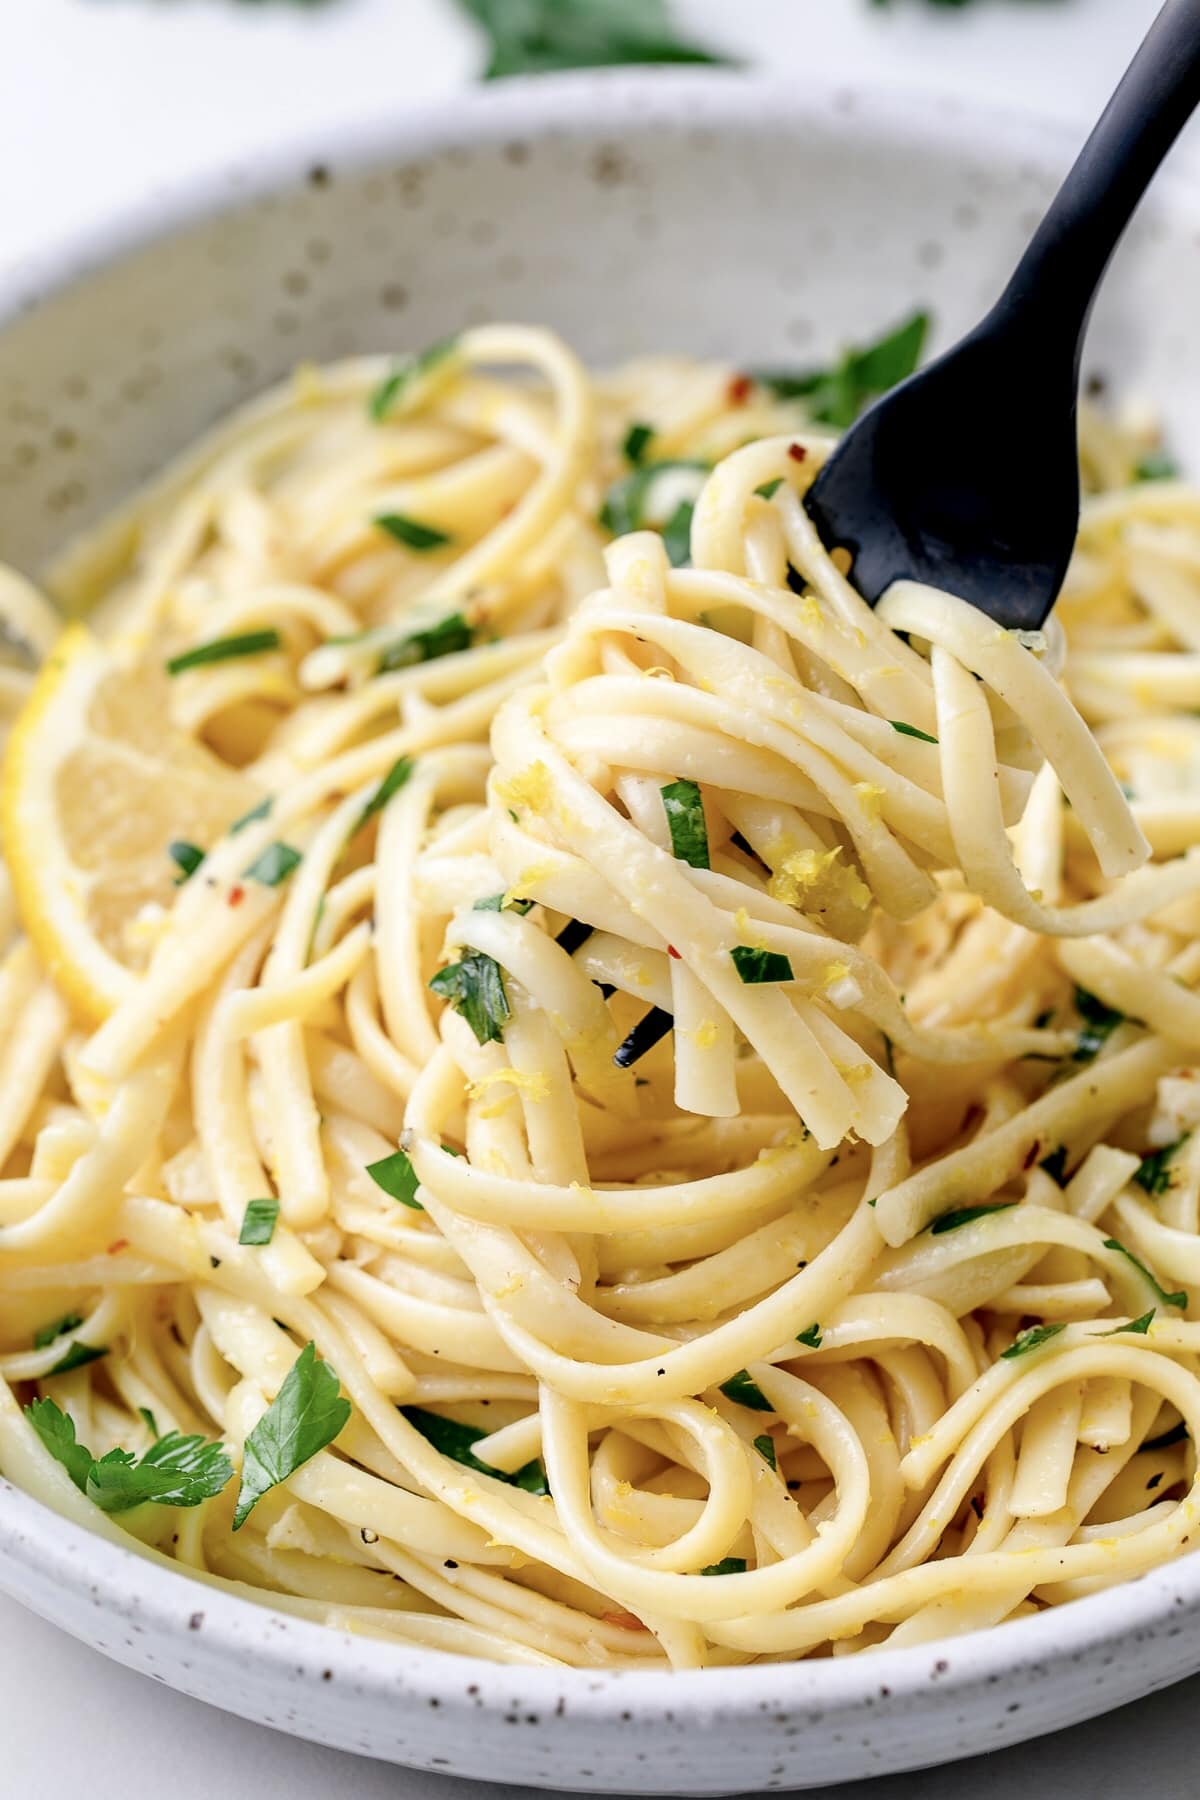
(706, 213)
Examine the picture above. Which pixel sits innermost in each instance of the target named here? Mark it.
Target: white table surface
(102, 101)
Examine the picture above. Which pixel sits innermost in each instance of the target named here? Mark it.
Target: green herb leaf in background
(838, 395)
(532, 37)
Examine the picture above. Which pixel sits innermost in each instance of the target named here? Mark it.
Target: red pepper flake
(236, 895)
(739, 390)
(116, 1247)
(797, 452)
(627, 1621)
(672, 951)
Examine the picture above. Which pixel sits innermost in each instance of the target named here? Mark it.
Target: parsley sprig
(175, 1471)
(836, 396)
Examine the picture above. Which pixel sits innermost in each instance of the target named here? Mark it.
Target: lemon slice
(96, 784)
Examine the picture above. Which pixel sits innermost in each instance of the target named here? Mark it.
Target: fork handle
(1055, 283)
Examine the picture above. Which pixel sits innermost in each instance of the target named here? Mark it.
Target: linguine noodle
(775, 1231)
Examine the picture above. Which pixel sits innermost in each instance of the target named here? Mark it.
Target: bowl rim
(43, 1550)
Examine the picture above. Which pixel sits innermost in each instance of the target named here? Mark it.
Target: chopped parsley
(77, 1355)
(637, 442)
(769, 489)
(1154, 1174)
(186, 857)
(677, 534)
(811, 1335)
(397, 1177)
(393, 781)
(1178, 1299)
(757, 966)
(474, 987)
(175, 1471)
(272, 866)
(766, 1449)
(226, 649)
(43, 1338)
(456, 1441)
(966, 1215)
(838, 395)
(739, 1387)
(411, 532)
(1156, 465)
(400, 387)
(259, 1221)
(685, 818)
(533, 37)
(1099, 1023)
(261, 811)
(306, 1414)
(1140, 1326)
(637, 502)
(498, 903)
(728, 1565)
(446, 638)
(1031, 1339)
(1055, 1164)
(911, 731)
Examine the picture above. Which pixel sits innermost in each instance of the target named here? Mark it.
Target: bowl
(713, 214)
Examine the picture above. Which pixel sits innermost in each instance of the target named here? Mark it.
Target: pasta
(705, 1065)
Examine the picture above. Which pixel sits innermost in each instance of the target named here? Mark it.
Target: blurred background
(103, 102)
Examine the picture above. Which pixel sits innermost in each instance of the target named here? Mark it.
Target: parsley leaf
(966, 1215)
(652, 497)
(411, 532)
(838, 395)
(531, 37)
(637, 442)
(475, 988)
(1156, 465)
(57, 1433)
(77, 1356)
(43, 1338)
(1099, 1023)
(1178, 1299)
(811, 1336)
(248, 643)
(455, 1440)
(259, 1221)
(186, 857)
(757, 966)
(175, 1471)
(766, 1449)
(1154, 1174)
(1031, 1339)
(496, 903)
(261, 811)
(306, 1414)
(685, 818)
(911, 731)
(273, 865)
(401, 387)
(446, 638)
(397, 1177)
(396, 777)
(728, 1565)
(739, 1387)
(1140, 1326)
